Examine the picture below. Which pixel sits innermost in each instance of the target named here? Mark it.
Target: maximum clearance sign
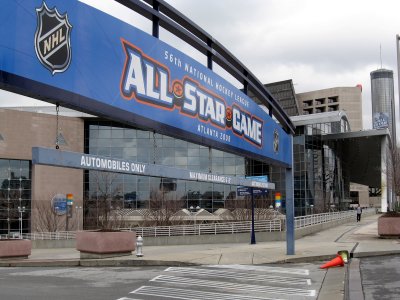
(69, 53)
(53, 157)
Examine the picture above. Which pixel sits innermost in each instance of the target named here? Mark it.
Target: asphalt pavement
(360, 239)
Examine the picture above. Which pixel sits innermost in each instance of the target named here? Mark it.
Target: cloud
(318, 44)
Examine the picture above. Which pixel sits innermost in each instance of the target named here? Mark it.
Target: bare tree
(393, 171)
(102, 206)
(241, 208)
(162, 209)
(47, 218)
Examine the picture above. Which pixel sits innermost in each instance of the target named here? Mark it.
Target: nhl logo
(276, 141)
(52, 39)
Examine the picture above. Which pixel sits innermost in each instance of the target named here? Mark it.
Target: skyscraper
(382, 97)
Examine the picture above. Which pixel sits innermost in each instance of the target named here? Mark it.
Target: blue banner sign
(70, 53)
(246, 191)
(260, 191)
(53, 157)
(243, 191)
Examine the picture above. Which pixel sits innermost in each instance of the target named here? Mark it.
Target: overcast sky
(318, 44)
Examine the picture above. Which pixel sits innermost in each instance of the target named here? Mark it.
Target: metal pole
(156, 20)
(394, 138)
(290, 236)
(21, 209)
(253, 235)
(77, 215)
(20, 224)
(209, 55)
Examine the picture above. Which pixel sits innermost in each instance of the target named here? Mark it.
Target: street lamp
(312, 208)
(193, 212)
(78, 208)
(21, 210)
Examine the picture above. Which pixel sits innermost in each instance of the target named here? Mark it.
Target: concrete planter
(15, 248)
(103, 244)
(389, 225)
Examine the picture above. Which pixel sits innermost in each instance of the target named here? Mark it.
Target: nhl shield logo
(52, 39)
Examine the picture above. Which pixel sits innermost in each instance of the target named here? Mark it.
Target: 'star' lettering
(148, 81)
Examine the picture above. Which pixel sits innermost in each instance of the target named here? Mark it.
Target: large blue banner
(69, 53)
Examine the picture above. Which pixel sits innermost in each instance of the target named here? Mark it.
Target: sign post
(253, 234)
(70, 202)
(246, 191)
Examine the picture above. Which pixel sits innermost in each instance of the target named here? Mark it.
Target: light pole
(312, 208)
(193, 212)
(78, 208)
(21, 210)
(394, 139)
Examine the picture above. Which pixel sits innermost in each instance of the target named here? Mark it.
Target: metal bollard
(139, 246)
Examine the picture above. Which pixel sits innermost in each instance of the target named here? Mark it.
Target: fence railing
(214, 228)
(211, 228)
(309, 220)
(58, 235)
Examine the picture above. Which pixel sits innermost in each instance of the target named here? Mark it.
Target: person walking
(359, 211)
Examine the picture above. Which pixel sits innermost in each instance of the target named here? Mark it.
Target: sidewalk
(360, 239)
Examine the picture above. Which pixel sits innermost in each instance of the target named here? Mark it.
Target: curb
(305, 259)
(154, 263)
(93, 263)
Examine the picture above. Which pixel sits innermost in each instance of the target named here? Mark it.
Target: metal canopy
(164, 15)
(362, 154)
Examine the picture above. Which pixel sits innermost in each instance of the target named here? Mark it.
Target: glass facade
(320, 183)
(141, 192)
(283, 92)
(15, 191)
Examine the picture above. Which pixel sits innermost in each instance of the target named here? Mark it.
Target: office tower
(348, 99)
(382, 97)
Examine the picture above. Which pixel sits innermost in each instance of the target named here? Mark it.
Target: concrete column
(290, 234)
(384, 189)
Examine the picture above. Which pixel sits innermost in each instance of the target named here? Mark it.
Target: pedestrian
(359, 211)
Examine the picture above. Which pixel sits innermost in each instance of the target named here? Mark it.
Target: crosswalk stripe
(232, 286)
(304, 272)
(175, 293)
(239, 276)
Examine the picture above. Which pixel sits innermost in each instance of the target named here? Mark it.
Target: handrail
(214, 228)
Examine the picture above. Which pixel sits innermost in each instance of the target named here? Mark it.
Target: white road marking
(264, 269)
(192, 294)
(239, 276)
(233, 286)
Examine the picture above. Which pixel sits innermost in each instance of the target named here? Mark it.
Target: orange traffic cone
(337, 261)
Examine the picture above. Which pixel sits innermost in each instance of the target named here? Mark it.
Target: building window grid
(110, 139)
(15, 191)
(317, 169)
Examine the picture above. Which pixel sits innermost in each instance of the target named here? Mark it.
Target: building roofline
(326, 117)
